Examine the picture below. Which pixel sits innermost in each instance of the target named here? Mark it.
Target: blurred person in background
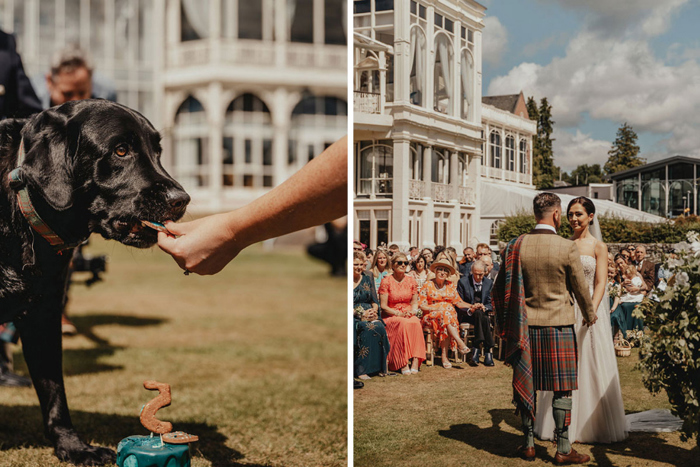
(428, 254)
(419, 270)
(71, 78)
(17, 100)
(371, 341)
(380, 267)
(465, 264)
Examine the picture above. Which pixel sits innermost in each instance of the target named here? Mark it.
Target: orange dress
(405, 332)
(445, 298)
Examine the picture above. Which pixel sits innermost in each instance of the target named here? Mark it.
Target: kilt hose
(554, 358)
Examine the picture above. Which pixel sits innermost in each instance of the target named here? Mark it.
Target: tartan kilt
(554, 358)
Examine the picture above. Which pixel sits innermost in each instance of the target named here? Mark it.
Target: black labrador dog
(86, 166)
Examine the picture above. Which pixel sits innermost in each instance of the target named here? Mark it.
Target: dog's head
(101, 160)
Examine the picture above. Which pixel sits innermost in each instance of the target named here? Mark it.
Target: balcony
(257, 53)
(525, 178)
(511, 176)
(440, 192)
(467, 196)
(367, 102)
(416, 189)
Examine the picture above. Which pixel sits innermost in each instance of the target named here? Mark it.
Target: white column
(281, 120)
(429, 211)
(477, 72)
(109, 34)
(282, 32)
(453, 225)
(160, 118)
(215, 30)
(474, 182)
(8, 20)
(215, 117)
(503, 153)
(399, 202)
(430, 64)
(85, 24)
(31, 31)
(382, 82)
(402, 51)
(60, 22)
(318, 12)
(456, 83)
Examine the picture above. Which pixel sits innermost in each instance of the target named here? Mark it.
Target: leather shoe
(358, 384)
(571, 458)
(488, 359)
(527, 453)
(9, 379)
(475, 358)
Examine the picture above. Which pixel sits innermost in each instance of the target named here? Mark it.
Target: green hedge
(614, 229)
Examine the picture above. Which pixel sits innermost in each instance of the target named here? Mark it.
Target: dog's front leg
(41, 342)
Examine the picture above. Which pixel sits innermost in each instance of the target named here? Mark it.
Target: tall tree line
(544, 173)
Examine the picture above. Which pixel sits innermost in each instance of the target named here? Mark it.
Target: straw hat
(444, 262)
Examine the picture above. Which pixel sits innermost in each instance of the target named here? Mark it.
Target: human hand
(203, 246)
(590, 323)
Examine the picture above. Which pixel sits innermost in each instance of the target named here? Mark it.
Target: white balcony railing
(366, 102)
(440, 192)
(485, 170)
(416, 189)
(257, 53)
(467, 196)
(511, 176)
(496, 173)
(525, 178)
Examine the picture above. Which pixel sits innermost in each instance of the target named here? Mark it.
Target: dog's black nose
(178, 200)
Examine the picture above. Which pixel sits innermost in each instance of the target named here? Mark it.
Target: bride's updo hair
(587, 204)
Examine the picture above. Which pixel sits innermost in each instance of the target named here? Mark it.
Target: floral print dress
(445, 315)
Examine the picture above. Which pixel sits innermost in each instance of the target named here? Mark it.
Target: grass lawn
(255, 356)
(463, 416)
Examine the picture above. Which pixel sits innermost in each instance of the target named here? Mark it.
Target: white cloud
(617, 78)
(495, 40)
(534, 47)
(574, 149)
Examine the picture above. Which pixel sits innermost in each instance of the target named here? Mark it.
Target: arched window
(316, 123)
(510, 153)
(467, 85)
(418, 72)
(524, 157)
(443, 82)
(462, 168)
(248, 136)
(191, 145)
(627, 193)
(416, 161)
(654, 197)
(440, 166)
(376, 165)
(495, 149)
(680, 197)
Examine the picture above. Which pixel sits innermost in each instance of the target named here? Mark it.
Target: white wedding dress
(598, 413)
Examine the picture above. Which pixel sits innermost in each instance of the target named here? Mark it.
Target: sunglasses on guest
(401, 263)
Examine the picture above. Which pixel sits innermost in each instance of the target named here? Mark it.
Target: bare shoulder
(601, 249)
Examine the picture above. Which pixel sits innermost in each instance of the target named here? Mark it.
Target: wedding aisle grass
(463, 417)
(255, 356)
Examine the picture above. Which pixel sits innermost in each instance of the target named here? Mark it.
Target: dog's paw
(80, 453)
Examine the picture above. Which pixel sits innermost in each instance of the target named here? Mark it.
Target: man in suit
(645, 267)
(541, 275)
(465, 264)
(475, 289)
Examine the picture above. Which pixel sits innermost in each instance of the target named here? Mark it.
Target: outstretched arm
(314, 195)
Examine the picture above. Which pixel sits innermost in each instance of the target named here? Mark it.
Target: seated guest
(620, 264)
(490, 270)
(393, 249)
(419, 271)
(380, 267)
(357, 245)
(371, 341)
(645, 267)
(482, 251)
(625, 254)
(438, 298)
(446, 255)
(428, 253)
(369, 254)
(614, 289)
(413, 253)
(633, 292)
(398, 297)
(465, 264)
(475, 290)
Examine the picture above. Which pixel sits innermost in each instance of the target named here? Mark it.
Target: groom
(534, 300)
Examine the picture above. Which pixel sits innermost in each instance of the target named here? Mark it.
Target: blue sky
(601, 63)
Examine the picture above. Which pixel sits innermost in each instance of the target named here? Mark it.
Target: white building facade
(243, 92)
(422, 137)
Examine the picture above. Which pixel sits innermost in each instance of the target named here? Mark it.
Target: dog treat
(148, 414)
(179, 437)
(155, 226)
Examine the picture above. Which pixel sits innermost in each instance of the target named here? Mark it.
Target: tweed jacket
(648, 271)
(553, 277)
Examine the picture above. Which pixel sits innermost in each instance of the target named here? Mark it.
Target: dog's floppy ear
(50, 142)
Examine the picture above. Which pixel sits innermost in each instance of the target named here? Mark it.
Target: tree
(543, 171)
(585, 174)
(624, 153)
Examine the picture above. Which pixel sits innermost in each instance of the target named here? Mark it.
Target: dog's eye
(122, 150)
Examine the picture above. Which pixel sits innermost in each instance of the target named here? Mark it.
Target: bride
(598, 414)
